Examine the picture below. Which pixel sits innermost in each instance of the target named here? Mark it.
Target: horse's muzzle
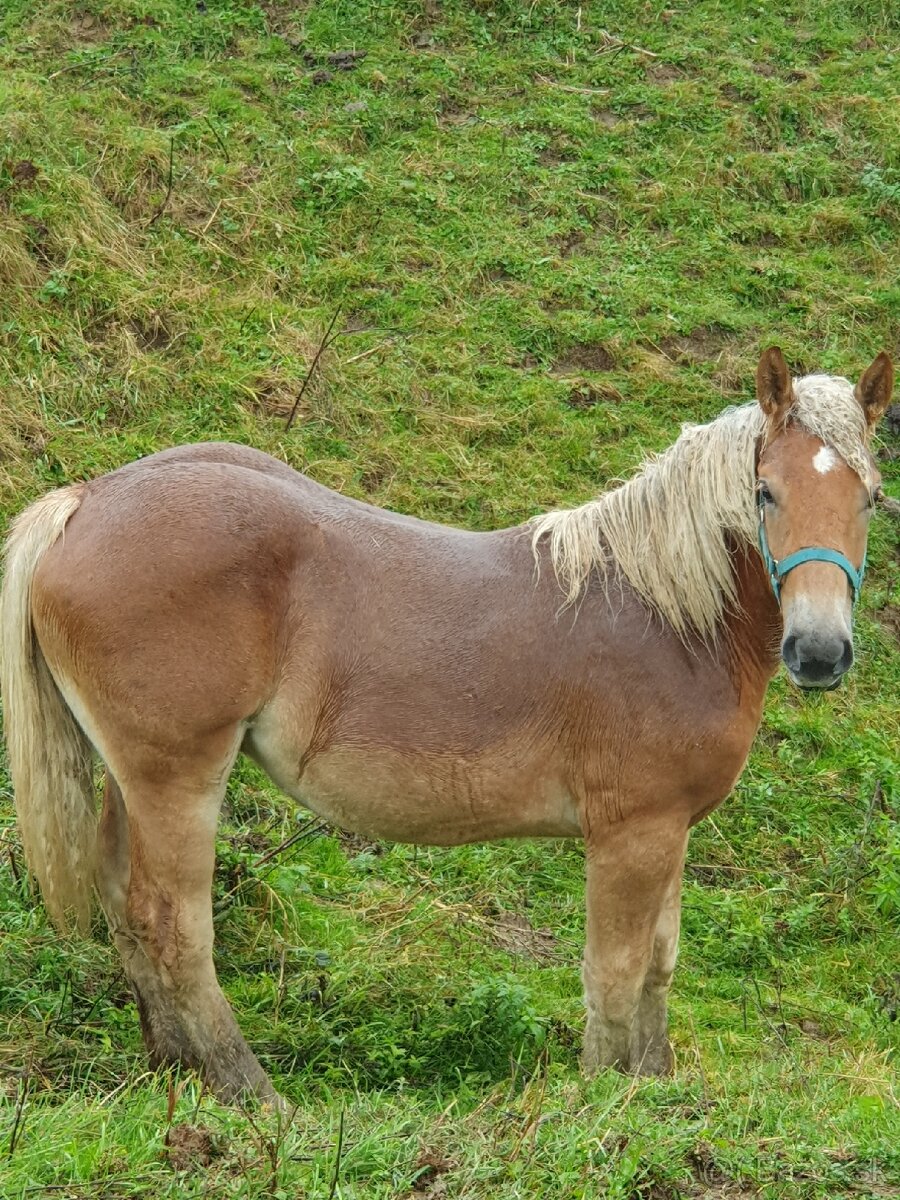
(817, 662)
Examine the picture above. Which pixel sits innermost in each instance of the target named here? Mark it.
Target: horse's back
(194, 466)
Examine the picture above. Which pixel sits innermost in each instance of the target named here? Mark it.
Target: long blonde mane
(666, 530)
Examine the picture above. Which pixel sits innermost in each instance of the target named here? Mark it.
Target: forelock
(826, 406)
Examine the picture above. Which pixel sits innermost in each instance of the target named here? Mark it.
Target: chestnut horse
(596, 673)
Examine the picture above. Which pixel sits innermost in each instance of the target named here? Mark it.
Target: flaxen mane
(665, 530)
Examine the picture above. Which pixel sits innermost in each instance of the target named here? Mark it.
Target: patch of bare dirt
(189, 1147)
(373, 478)
(430, 1169)
(37, 236)
(23, 172)
(87, 29)
(281, 16)
(606, 118)
(586, 395)
(756, 237)
(585, 356)
(556, 154)
(888, 618)
(567, 244)
(812, 1029)
(447, 120)
(455, 112)
(414, 263)
(640, 112)
(662, 72)
(730, 92)
(701, 345)
(151, 332)
(515, 934)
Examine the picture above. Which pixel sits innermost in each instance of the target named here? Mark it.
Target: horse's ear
(874, 389)
(773, 386)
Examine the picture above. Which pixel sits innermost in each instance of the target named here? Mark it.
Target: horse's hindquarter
(158, 611)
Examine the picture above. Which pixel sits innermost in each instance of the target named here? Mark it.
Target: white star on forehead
(824, 460)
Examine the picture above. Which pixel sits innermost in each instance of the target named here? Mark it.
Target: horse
(594, 673)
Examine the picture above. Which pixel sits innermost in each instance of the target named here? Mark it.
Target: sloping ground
(546, 235)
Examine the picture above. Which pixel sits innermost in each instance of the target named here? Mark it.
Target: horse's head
(814, 510)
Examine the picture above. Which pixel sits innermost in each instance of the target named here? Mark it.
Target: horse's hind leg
(630, 871)
(155, 870)
(160, 1025)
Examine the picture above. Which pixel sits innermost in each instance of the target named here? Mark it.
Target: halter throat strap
(778, 570)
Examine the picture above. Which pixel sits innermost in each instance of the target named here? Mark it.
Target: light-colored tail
(50, 759)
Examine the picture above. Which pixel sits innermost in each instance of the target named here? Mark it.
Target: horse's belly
(430, 799)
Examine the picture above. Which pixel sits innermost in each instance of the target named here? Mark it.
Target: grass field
(547, 234)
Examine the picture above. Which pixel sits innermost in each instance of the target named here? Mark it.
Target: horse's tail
(50, 759)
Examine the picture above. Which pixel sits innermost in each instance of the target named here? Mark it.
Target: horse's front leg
(651, 1052)
(633, 870)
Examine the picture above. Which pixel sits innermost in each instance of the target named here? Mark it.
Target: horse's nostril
(846, 661)
(789, 653)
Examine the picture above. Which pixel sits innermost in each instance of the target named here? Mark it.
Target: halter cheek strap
(778, 570)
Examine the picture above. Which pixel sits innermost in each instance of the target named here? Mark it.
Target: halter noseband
(778, 570)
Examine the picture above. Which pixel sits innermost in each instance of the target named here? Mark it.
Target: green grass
(548, 249)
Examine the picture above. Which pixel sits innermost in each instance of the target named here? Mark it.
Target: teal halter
(778, 570)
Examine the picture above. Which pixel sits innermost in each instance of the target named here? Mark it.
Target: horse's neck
(755, 631)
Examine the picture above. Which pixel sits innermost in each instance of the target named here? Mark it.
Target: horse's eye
(765, 496)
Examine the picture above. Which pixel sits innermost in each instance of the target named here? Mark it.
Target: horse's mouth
(826, 686)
